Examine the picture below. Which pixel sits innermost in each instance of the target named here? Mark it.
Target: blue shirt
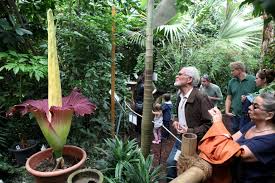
(263, 148)
(166, 111)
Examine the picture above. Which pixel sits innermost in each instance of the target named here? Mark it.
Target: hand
(230, 114)
(181, 130)
(175, 124)
(178, 127)
(216, 114)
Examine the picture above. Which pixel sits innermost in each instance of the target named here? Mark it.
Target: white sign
(177, 155)
(155, 76)
(117, 98)
(133, 118)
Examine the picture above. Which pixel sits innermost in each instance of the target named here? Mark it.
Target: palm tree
(146, 128)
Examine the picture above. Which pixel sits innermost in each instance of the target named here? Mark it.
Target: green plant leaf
(15, 70)
(3, 54)
(21, 31)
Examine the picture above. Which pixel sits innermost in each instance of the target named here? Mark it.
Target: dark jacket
(196, 112)
(167, 110)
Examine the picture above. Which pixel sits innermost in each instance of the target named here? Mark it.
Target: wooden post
(191, 168)
(189, 144)
(113, 72)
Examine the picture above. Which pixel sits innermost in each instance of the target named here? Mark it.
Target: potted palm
(54, 116)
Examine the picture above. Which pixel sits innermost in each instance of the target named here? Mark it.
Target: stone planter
(86, 176)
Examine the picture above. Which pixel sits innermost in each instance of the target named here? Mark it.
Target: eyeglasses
(182, 74)
(256, 106)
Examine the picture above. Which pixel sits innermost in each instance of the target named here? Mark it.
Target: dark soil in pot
(48, 164)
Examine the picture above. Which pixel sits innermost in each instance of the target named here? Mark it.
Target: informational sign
(177, 155)
(133, 118)
(155, 76)
(117, 98)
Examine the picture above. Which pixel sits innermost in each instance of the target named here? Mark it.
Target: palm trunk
(267, 39)
(147, 127)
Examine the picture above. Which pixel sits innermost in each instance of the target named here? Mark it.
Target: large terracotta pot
(59, 176)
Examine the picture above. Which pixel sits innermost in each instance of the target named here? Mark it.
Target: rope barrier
(153, 122)
(132, 110)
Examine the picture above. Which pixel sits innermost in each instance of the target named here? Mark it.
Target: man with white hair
(192, 113)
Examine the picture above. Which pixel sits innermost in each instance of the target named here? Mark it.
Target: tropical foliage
(208, 34)
(126, 163)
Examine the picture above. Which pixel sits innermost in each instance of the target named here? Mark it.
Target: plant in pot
(23, 149)
(54, 116)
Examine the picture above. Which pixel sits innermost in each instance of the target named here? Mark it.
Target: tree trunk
(267, 39)
(113, 117)
(146, 126)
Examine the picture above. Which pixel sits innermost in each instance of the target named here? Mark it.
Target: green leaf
(22, 59)
(30, 74)
(13, 53)
(3, 54)
(15, 70)
(22, 68)
(78, 34)
(37, 75)
(9, 67)
(21, 31)
(143, 3)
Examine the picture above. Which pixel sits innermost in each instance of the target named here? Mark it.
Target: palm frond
(137, 37)
(178, 28)
(241, 33)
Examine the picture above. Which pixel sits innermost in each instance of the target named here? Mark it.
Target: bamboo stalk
(113, 73)
(189, 144)
(191, 175)
(195, 170)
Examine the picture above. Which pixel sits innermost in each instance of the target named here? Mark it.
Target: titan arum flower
(54, 115)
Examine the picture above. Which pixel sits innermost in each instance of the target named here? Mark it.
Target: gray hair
(269, 102)
(194, 73)
(206, 77)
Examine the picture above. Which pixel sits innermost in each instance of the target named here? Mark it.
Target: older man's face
(182, 79)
